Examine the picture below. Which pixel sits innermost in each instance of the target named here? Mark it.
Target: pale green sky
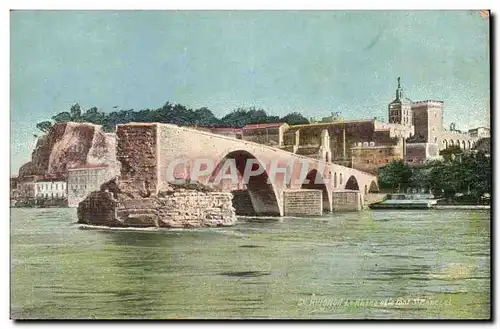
(314, 62)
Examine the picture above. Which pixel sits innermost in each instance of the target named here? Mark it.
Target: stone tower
(428, 120)
(400, 109)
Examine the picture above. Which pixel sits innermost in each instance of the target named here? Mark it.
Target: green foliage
(484, 145)
(62, 117)
(205, 117)
(44, 126)
(396, 173)
(176, 114)
(451, 152)
(295, 118)
(93, 115)
(241, 117)
(76, 113)
(469, 173)
(420, 178)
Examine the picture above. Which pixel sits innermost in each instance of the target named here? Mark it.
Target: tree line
(465, 173)
(169, 113)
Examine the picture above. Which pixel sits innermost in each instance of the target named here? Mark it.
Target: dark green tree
(479, 174)
(44, 126)
(420, 178)
(94, 116)
(62, 117)
(76, 113)
(483, 145)
(294, 118)
(395, 174)
(451, 152)
(241, 117)
(205, 117)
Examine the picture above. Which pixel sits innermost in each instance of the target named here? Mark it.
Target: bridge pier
(347, 200)
(304, 202)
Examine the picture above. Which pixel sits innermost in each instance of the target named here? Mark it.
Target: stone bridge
(147, 151)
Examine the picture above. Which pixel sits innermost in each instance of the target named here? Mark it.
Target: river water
(369, 264)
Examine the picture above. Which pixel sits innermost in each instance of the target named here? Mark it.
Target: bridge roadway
(148, 151)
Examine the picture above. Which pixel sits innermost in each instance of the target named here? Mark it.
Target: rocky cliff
(70, 144)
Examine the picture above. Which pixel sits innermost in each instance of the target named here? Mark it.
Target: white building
(481, 132)
(85, 179)
(50, 189)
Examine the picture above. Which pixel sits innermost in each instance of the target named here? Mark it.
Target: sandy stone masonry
(303, 203)
(136, 150)
(143, 196)
(186, 209)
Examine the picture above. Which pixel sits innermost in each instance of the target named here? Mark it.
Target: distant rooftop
(340, 122)
(226, 129)
(427, 101)
(479, 128)
(262, 125)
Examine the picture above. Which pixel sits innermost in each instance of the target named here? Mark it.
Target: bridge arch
(373, 187)
(352, 183)
(314, 181)
(445, 142)
(262, 194)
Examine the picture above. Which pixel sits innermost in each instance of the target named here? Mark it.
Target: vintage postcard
(250, 164)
